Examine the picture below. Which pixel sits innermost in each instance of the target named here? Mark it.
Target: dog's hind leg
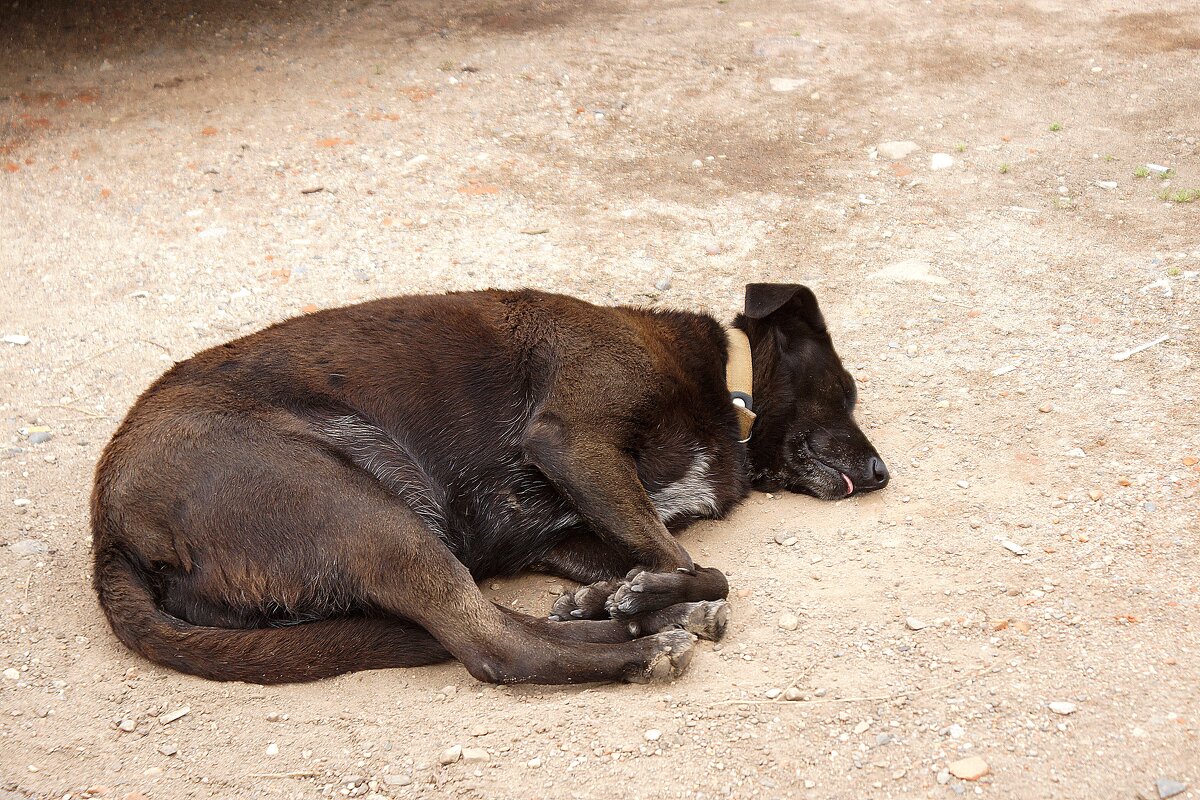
(408, 572)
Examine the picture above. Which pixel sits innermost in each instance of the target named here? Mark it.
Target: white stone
(11, 674)
(941, 161)
(1062, 707)
(789, 622)
(915, 624)
(787, 84)
(897, 150)
(653, 735)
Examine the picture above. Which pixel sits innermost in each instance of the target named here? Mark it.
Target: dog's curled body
(322, 495)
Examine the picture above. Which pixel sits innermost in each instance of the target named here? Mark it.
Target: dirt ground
(174, 175)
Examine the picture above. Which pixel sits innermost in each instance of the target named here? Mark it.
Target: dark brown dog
(323, 495)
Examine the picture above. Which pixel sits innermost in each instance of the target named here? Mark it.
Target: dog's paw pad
(669, 659)
(708, 619)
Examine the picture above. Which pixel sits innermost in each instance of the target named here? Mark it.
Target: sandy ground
(156, 168)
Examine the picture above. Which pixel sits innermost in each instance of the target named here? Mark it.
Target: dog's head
(805, 438)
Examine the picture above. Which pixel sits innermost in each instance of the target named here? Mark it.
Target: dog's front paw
(707, 619)
(586, 602)
(645, 592)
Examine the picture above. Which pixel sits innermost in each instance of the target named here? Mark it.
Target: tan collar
(739, 377)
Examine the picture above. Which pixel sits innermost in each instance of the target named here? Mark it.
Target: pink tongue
(849, 484)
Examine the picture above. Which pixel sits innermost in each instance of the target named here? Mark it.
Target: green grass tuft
(1180, 195)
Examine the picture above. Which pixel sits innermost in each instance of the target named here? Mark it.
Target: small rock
(17, 339)
(1107, 184)
(1158, 169)
(397, 780)
(272, 749)
(793, 693)
(971, 768)
(1075, 452)
(475, 755)
(480, 730)
(772, 693)
(127, 725)
(963, 484)
(171, 716)
(29, 547)
(915, 624)
(1013, 547)
(450, 755)
(861, 727)
(1062, 707)
(653, 735)
(1045, 408)
(787, 84)
(789, 622)
(663, 283)
(12, 674)
(784, 538)
(534, 763)
(943, 777)
(1169, 788)
(954, 731)
(275, 716)
(168, 749)
(712, 249)
(941, 161)
(1096, 495)
(897, 150)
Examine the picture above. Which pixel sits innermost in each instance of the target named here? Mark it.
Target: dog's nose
(876, 475)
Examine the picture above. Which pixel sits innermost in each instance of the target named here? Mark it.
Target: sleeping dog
(322, 496)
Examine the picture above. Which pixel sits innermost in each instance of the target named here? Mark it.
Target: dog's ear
(792, 299)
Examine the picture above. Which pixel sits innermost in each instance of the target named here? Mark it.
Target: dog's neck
(739, 377)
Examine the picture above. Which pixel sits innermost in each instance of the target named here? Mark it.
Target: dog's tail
(302, 652)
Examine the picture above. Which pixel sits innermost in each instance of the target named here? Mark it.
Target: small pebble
(773, 693)
(397, 780)
(793, 694)
(28, 547)
(971, 768)
(475, 755)
(168, 749)
(653, 735)
(1169, 788)
(915, 624)
(941, 161)
(1062, 707)
(533, 763)
(450, 755)
(1045, 408)
(272, 749)
(789, 622)
(171, 716)
(11, 674)
(896, 150)
(127, 725)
